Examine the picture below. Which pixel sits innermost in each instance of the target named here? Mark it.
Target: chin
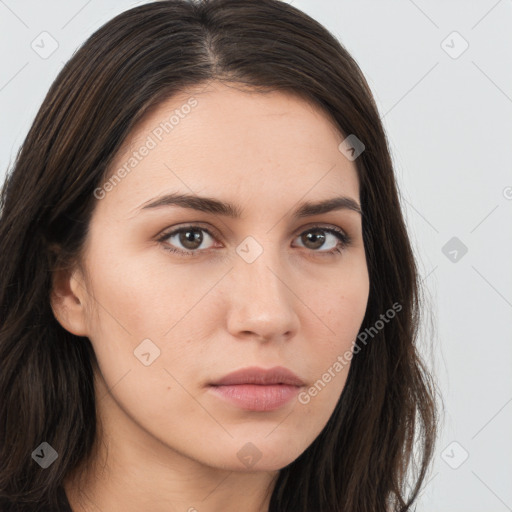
(261, 454)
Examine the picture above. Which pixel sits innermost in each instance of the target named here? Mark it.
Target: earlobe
(67, 305)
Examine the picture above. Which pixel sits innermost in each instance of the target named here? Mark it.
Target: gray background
(448, 117)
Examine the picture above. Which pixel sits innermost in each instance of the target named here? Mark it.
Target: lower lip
(252, 397)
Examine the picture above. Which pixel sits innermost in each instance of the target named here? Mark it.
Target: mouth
(256, 389)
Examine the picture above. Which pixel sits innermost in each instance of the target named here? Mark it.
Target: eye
(191, 238)
(317, 236)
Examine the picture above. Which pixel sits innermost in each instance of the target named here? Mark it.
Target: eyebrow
(212, 205)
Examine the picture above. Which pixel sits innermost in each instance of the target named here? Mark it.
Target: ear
(67, 300)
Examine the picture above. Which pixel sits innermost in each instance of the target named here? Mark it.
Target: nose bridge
(258, 268)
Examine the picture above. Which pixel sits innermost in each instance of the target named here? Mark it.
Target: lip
(256, 389)
(260, 376)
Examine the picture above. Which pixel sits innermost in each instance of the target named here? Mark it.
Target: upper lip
(255, 375)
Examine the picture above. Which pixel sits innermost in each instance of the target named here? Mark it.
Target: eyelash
(344, 239)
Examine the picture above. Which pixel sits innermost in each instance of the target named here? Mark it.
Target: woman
(209, 298)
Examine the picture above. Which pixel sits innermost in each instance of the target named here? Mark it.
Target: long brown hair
(387, 412)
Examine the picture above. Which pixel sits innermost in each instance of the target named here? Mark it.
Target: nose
(262, 301)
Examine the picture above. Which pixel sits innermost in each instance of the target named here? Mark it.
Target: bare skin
(166, 442)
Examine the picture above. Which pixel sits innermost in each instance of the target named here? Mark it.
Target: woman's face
(263, 288)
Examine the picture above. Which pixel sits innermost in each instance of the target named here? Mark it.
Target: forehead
(219, 139)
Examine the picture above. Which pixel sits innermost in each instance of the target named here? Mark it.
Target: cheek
(140, 295)
(138, 299)
(341, 307)
(343, 304)
(137, 314)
